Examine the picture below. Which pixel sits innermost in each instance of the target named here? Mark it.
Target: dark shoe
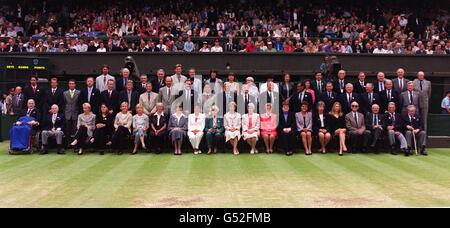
(101, 152)
(60, 150)
(120, 152)
(364, 150)
(341, 154)
(393, 150)
(423, 152)
(44, 150)
(407, 152)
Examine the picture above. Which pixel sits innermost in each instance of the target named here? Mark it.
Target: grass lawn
(224, 180)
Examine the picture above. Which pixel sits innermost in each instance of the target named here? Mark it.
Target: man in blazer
(269, 96)
(148, 100)
(33, 112)
(244, 99)
(356, 128)
(141, 87)
(54, 95)
(360, 85)
(389, 95)
(224, 98)
(394, 127)
(130, 96)
(287, 129)
(318, 85)
(329, 96)
(348, 98)
(101, 82)
(35, 92)
(374, 125)
(413, 122)
(424, 87)
(340, 83)
(110, 97)
(159, 81)
(53, 127)
(400, 81)
(167, 96)
(121, 83)
(71, 108)
(18, 101)
(299, 97)
(90, 95)
(379, 85)
(410, 97)
(187, 98)
(369, 98)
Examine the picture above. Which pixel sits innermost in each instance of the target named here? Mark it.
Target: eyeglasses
(355, 106)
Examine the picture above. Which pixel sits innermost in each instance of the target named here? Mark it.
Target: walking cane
(415, 142)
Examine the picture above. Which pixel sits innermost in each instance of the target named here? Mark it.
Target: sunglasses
(355, 106)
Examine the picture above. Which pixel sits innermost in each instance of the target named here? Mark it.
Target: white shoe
(195, 152)
(109, 143)
(256, 151)
(74, 142)
(252, 151)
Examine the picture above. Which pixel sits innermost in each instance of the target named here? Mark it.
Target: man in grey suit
(424, 87)
(400, 82)
(167, 96)
(71, 108)
(148, 100)
(18, 101)
(356, 128)
(101, 82)
(410, 97)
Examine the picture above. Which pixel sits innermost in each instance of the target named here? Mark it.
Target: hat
(205, 42)
(250, 79)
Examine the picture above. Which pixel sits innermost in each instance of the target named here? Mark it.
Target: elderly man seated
(25, 127)
(54, 127)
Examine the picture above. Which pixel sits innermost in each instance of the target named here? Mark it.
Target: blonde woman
(85, 128)
(122, 126)
(196, 125)
(233, 127)
(250, 128)
(140, 127)
(337, 123)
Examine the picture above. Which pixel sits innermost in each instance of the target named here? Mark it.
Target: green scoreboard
(16, 70)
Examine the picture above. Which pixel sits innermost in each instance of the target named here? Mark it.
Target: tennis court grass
(224, 180)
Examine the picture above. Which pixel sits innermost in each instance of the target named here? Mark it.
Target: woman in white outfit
(233, 127)
(196, 125)
(250, 127)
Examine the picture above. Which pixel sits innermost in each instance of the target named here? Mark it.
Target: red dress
(268, 125)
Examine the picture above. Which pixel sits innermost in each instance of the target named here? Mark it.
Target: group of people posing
(117, 112)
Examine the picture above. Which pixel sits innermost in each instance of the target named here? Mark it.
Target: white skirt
(231, 135)
(246, 135)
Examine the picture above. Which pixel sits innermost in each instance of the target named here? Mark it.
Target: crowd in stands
(324, 26)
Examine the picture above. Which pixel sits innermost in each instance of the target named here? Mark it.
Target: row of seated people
(106, 129)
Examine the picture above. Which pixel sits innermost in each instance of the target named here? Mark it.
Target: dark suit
(296, 101)
(286, 92)
(376, 87)
(384, 100)
(265, 98)
(366, 104)
(315, 86)
(121, 84)
(187, 102)
(375, 132)
(158, 140)
(37, 95)
(156, 85)
(328, 100)
(35, 113)
(48, 132)
(94, 100)
(287, 140)
(346, 105)
(222, 99)
(132, 101)
(111, 101)
(56, 98)
(395, 120)
(139, 88)
(416, 123)
(317, 123)
(338, 88)
(358, 88)
(241, 101)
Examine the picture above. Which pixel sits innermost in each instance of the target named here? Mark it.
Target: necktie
(149, 96)
(370, 98)
(362, 84)
(329, 95)
(389, 95)
(304, 121)
(319, 86)
(129, 98)
(53, 91)
(375, 120)
(29, 111)
(401, 84)
(356, 118)
(104, 80)
(287, 90)
(124, 83)
(421, 81)
(250, 124)
(71, 93)
(349, 98)
(168, 91)
(109, 92)
(410, 98)
(381, 86)
(342, 85)
(393, 117)
(34, 89)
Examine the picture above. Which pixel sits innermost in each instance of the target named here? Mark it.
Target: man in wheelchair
(24, 129)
